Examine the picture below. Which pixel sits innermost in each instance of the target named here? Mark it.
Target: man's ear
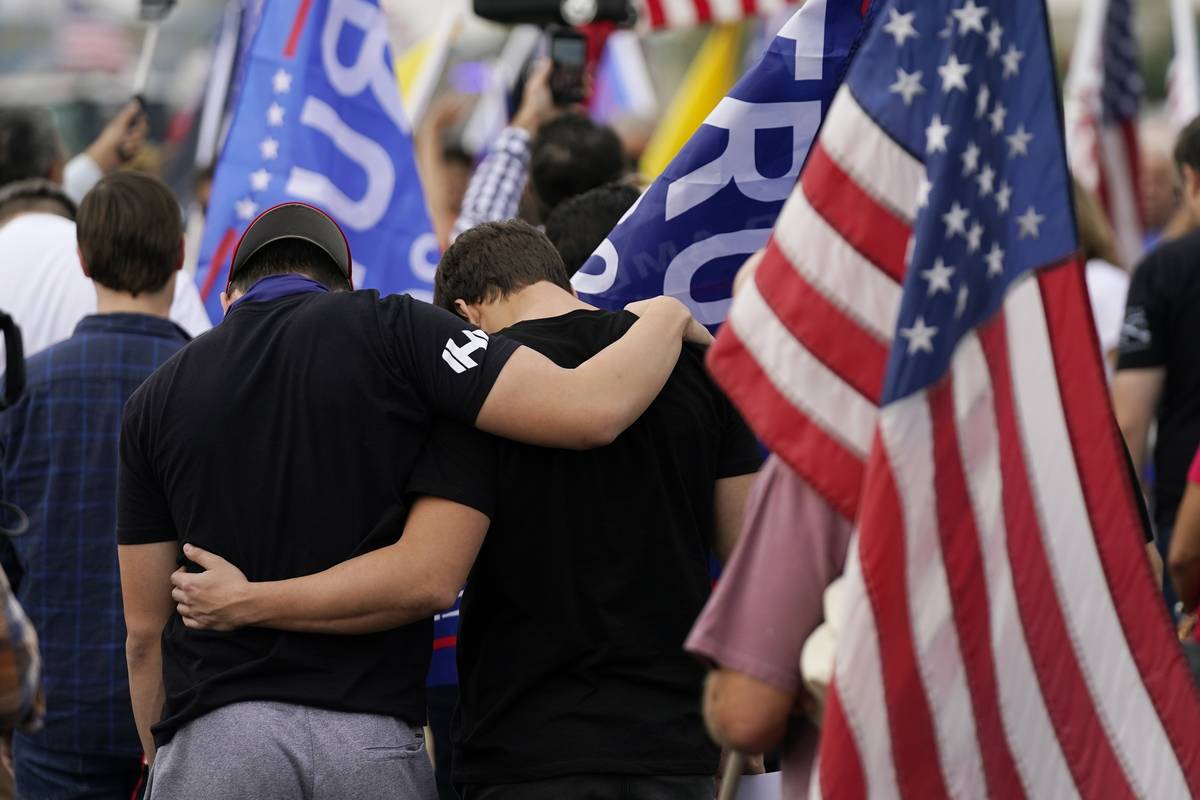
(468, 312)
(83, 263)
(56, 172)
(182, 251)
(226, 302)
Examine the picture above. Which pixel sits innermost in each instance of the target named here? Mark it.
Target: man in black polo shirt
(1158, 367)
(573, 680)
(284, 440)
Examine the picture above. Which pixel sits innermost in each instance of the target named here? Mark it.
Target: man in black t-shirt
(572, 675)
(1158, 367)
(284, 441)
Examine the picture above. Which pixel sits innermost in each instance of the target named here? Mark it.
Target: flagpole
(734, 765)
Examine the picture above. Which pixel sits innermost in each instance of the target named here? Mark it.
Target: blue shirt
(58, 462)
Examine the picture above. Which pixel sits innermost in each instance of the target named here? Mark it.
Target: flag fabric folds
(917, 343)
(716, 201)
(656, 14)
(1183, 76)
(319, 119)
(1104, 89)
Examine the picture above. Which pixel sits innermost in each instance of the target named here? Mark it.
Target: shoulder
(1181, 253)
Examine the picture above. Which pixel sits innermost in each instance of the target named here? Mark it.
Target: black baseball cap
(293, 221)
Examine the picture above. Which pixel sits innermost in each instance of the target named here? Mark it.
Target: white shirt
(43, 288)
(1108, 286)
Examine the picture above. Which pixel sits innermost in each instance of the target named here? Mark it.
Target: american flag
(1104, 88)
(656, 14)
(917, 343)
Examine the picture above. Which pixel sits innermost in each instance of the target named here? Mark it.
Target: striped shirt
(494, 192)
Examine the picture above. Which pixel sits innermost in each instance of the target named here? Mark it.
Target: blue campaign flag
(319, 119)
(717, 201)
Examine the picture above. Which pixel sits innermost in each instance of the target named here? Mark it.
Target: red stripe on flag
(963, 560)
(822, 460)
(443, 642)
(1084, 741)
(841, 767)
(750, 8)
(289, 49)
(657, 17)
(839, 343)
(703, 10)
(881, 550)
(217, 266)
(871, 229)
(1108, 493)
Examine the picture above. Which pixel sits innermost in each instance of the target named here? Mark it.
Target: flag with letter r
(716, 201)
(319, 120)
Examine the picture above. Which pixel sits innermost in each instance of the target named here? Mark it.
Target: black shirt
(277, 440)
(570, 652)
(1162, 329)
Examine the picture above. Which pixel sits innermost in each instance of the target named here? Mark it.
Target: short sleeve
(143, 514)
(740, 452)
(458, 464)
(769, 598)
(1143, 334)
(451, 363)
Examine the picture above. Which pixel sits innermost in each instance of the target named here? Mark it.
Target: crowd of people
(239, 536)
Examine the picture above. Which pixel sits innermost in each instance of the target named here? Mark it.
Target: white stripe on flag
(680, 13)
(906, 429)
(859, 680)
(726, 10)
(835, 269)
(806, 382)
(1116, 687)
(1122, 194)
(1027, 724)
(807, 29)
(878, 165)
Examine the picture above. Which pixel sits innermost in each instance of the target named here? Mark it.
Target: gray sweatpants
(279, 751)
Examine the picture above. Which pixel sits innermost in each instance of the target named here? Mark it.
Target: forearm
(144, 658)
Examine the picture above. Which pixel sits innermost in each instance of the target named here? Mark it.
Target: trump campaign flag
(717, 200)
(917, 343)
(318, 118)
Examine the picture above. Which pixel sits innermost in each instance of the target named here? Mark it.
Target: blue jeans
(43, 774)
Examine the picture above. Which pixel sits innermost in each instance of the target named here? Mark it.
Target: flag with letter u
(917, 343)
(716, 201)
(319, 119)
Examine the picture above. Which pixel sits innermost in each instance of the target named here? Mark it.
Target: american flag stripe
(1063, 686)
(858, 691)
(868, 226)
(961, 553)
(833, 468)
(848, 350)
(1120, 158)
(905, 437)
(803, 379)
(1106, 495)
(1094, 627)
(832, 266)
(1036, 751)
(864, 152)
(658, 14)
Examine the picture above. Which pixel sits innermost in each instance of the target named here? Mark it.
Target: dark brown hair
(493, 260)
(129, 232)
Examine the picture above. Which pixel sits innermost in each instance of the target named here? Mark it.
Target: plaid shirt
(494, 192)
(58, 462)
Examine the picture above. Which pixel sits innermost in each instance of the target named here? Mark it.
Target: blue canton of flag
(319, 119)
(995, 201)
(718, 199)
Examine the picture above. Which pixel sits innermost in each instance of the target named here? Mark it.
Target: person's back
(58, 460)
(290, 420)
(595, 564)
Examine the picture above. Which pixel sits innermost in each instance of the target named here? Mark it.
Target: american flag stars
(976, 62)
(268, 148)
